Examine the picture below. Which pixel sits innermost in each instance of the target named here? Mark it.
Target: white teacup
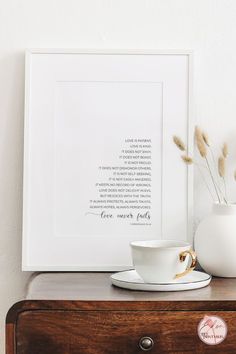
(162, 260)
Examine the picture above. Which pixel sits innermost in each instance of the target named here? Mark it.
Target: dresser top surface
(98, 287)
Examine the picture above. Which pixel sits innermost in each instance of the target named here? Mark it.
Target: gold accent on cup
(182, 258)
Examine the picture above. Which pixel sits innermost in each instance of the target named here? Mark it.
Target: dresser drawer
(110, 331)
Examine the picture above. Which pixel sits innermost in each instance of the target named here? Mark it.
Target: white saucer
(131, 280)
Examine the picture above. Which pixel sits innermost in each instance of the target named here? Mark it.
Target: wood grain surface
(104, 332)
(114, 323)
(97, 286)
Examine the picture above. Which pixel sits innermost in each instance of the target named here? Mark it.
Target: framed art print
(100, 167)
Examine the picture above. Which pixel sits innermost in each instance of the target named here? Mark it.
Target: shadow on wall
(12, 280)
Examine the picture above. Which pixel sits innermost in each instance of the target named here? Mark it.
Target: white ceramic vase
(215, 241)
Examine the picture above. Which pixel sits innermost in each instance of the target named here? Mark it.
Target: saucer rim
(154, 284)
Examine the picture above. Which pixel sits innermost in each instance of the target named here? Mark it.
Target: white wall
(206, 26)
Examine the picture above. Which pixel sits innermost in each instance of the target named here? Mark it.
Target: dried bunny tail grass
(221, 166)
(179, 143)
(205, 138)
(225, 150)
(200, 142)
(187, 159)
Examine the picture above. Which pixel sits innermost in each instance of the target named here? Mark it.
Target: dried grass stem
(221, 166)
(200, 142)
(187, 159)
(225, 150)
(179, 143)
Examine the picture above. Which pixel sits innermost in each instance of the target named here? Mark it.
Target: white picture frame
(71, 96)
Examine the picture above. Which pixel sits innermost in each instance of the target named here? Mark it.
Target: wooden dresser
(72, 313)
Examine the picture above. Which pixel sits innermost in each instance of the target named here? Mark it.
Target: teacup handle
(182, 258)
